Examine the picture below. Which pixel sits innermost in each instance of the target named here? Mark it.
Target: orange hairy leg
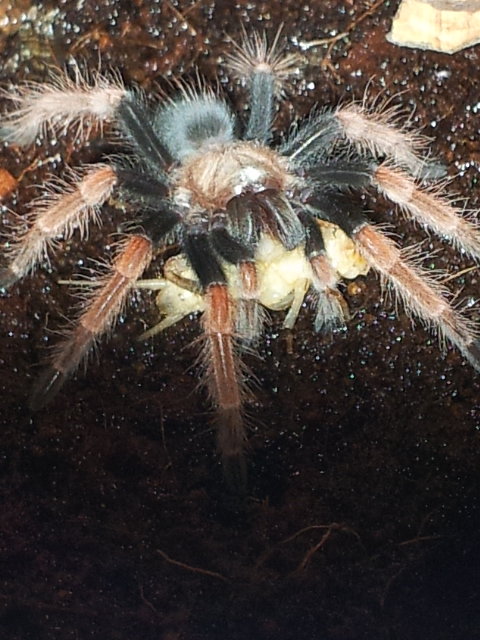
(98, 317)
(223, 377)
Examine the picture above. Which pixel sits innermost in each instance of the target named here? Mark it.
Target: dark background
(362, 514)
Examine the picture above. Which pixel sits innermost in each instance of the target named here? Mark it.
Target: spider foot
(235, 474)
(46, 388)
(332, 311)
(471, 351)
(7, 277)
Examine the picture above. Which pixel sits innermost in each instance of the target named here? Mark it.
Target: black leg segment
(201, 256)
(262, 107)
(136, 124)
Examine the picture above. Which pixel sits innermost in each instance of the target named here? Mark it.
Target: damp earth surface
(361, 517)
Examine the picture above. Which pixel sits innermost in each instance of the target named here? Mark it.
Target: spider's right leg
(421, 294)
(59, 213)
(372, 133)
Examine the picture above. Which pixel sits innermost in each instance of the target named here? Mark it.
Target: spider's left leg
(222, 367)
(107, 300)
(420, 294)
(60, 213)
(265, 69)
(100, 314)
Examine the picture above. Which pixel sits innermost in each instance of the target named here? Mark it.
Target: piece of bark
(440, 25)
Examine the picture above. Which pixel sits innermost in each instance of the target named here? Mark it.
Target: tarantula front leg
(60, 213)
(222, 368)
(100, 314)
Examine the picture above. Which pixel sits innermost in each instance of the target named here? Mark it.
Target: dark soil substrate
(362, 514)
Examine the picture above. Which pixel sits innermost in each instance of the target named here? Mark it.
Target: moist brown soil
(361, 518)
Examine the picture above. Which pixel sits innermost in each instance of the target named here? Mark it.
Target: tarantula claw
(46, 387)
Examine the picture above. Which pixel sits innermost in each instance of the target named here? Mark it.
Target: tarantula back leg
(60, 213)
(265, 69)
(421, 295)
(429, 209)
(98, 317)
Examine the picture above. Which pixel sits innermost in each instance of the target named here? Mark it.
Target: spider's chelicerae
(258, 225)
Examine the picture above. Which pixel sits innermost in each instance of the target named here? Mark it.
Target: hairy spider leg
(373, 133)
(59, 213)
(219, 357)
(420, 294)
(265, 70)
(98, 317)
(379, 133)
(262, 81)
(107, 302)
(331, 308)
(60, 103)
(249, 316)
(429, 209)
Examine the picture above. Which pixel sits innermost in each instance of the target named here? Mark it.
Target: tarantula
(258, 225)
